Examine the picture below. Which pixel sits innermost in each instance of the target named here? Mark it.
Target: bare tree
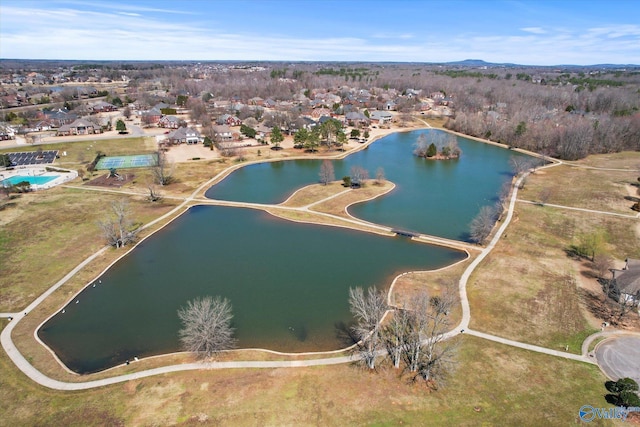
(119, 230)
(482, 225)
(421, 146)
(163, 169)
(438, 355)
(395, 335)
(418, 335)
(368, 311)
(198, 111)
(417, 312)
(206, 326)
(358, 175)
(380, 175)
(326, 172)
(520, 165)
(544, 195)
(602, 265)
(154, 194)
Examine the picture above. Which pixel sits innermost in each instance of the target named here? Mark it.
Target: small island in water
(444, 146)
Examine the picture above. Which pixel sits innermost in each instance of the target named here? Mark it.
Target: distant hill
(477, 63)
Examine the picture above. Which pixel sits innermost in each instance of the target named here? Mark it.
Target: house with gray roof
(184, 135)
(626, 282)
(356, 118)
(381, 117)
(169, 122)
(79, 127)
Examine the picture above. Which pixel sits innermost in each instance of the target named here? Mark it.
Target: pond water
(288, 282)
(431, 196)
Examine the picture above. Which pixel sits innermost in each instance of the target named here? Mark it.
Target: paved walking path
(581, 209)
(8, 315)
(38, 377)
(531, 347)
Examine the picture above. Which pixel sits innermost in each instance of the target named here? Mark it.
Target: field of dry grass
(527, 288)
(601, 190)
(492, 385)
(45, 234)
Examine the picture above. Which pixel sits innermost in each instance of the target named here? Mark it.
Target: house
(229, 120)
(169, 122)
(222, 133)
(256, 100)
(308, 123)
(101, 107)
(79, 127)
(151, 116)
(184, 135)
(356, 118)
(390, 106)
(263, 132)
(626, 282)
(59, 117)
(319, 112)
(381, 117)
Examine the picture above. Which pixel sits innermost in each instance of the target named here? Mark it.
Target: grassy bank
(492, 385)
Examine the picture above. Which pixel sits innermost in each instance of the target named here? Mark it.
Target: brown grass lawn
(314, 193)
(334, 206)
(526, 289)
(492, 385)
(582, 188)
(371, 190)
(624, 160)
(45, 234)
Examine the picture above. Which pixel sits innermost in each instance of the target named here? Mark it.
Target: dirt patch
(187, 152)
(112, 181)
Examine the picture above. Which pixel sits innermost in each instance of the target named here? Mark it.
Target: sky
(529, 32)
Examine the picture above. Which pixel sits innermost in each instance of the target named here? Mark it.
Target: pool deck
(62, 175)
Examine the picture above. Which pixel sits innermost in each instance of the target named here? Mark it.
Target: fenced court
(127, 162)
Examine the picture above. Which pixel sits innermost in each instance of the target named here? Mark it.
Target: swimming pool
(33, 180)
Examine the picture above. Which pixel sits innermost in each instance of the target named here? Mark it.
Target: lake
(288, 282)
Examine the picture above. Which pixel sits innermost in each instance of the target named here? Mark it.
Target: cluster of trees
(623, 392)
(330, 134)
(561, 121)
(442, 146)
(413, 336)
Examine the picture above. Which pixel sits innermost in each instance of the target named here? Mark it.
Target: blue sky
(535, 32)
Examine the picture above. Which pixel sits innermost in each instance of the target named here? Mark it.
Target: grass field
(523, 290)
(527, 288)
(492, 385)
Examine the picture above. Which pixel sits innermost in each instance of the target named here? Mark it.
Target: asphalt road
(619, 357)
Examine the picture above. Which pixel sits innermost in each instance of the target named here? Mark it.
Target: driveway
(619, 357)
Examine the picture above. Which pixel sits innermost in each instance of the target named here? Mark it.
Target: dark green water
(288, 282)
(434, 197)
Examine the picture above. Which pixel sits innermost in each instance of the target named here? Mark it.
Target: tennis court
(127, 162)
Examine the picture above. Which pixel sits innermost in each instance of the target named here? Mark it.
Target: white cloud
(534, 30)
